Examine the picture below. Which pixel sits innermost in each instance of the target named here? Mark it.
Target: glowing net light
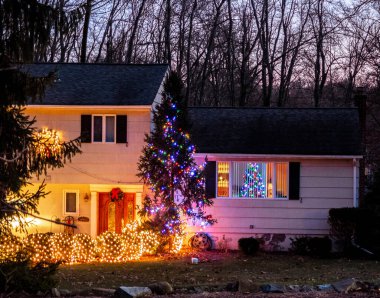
(149, 242)
(48, 144)
(38, 247)
(9, 248)
(108, 247)
(61, 247)
(84, 249)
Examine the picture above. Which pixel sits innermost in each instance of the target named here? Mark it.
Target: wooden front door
(114, 215)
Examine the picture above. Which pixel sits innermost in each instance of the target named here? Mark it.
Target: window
(103, 128)
(258, 180)
(71, 202)
(223, 179)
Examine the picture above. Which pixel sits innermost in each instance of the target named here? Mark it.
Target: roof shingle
(308, 131)
(100, 84)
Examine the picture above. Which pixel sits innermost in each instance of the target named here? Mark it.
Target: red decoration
(116, 194)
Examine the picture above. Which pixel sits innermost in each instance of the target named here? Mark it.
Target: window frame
(76, 191)
(104, 123)
(274, 182)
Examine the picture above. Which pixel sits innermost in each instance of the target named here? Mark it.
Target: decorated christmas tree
(253, 186)
(177, 184)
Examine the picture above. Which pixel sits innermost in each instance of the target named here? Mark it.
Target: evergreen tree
(168, 167)
(24, 150)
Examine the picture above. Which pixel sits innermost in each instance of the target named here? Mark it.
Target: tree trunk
(83, 53)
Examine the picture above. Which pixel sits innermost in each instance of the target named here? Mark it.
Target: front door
(114, 215)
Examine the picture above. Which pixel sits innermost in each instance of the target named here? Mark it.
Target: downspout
(354, 190)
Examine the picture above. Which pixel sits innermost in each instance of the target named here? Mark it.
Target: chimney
(360, 100)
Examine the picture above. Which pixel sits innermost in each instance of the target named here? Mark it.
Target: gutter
(92, 107)
(354, 184)
(228, 156)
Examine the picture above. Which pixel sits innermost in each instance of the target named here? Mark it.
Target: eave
(90, 107)
(238, 156)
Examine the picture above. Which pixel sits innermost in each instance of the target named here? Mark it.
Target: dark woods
(229, 53)
(277, 53)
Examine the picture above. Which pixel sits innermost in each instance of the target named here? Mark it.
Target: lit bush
(149, 242)
(61, 246)
(83, 249)
(10, 247)
(38, 247)
(140, 241)
(108, 247)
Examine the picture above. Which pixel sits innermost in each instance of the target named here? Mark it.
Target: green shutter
(294, 180)
(121, 129)
(210, 175)
(85, 128)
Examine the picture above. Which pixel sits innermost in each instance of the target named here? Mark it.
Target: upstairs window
(257, 180)
(104, 129)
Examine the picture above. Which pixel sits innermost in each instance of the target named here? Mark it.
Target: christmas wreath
(116, 194)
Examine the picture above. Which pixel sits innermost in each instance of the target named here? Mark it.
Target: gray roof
(100, 84)
(309, 131)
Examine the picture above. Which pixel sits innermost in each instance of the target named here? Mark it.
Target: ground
(219, 269)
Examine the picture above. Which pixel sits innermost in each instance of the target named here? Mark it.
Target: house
(110, 106)
(274, 172)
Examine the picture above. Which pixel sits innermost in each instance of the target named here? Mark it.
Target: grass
(217, 268)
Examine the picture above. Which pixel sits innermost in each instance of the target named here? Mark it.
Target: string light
(48, 144)
(253, 182)
(108, 247)
(84, 249)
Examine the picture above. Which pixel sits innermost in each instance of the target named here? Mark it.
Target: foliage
(27, 27)
(168, 167)
(372, 197)
(24, 275)
(24, 152)
(312, 246)
(361, 225)
(131, 244)
(83, 249)
(249, 246)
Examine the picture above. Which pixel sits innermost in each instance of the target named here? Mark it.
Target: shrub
(10, 247)
(311, 246)
(108, 246)
(359, 224)
(300, 245)
(61, 245)
(38, 247)
(23, 275)
(83, 248)
(320, 247)
(249, 246)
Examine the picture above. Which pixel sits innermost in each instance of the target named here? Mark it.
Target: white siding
(324, 184)
(98, 163)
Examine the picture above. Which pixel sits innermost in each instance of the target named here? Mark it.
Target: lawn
(217, 268)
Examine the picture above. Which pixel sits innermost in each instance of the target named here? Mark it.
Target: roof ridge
(95, 63)
(277, 108)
